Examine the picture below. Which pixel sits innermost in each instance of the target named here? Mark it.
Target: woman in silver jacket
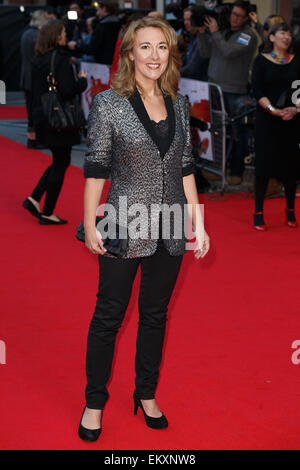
(139, 136)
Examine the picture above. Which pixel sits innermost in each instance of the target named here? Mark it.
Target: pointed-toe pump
(290, 218)
(259, 223)
(154, 423)
(90, 435)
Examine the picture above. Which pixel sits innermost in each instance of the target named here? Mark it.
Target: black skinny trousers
(158, 277)
(261, 184)
(52, 179)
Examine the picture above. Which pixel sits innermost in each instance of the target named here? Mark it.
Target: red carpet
(13, 112)
(227, 380)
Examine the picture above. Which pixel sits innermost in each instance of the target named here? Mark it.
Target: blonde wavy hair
(124, 81)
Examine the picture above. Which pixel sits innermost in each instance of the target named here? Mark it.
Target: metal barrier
(217, 128)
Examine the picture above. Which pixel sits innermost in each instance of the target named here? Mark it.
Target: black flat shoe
(27, 204)
(31, 143)
(89, 435)
(154, 423)
(34, 144)
(45, 221)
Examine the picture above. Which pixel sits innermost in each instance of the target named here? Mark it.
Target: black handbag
(61, 114)
(115, 246)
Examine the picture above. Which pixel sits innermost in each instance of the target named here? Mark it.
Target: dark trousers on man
(158, 277)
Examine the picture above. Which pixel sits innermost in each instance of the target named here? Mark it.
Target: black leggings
(261, 184)
(52, 179)
(158, 277)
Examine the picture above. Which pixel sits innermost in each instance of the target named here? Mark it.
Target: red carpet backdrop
(227, 378)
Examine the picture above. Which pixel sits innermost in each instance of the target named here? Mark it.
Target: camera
(252, 8)
(199, 15)
(221, 13)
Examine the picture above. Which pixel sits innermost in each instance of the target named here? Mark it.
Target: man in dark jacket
(194, 66)
(103, 41)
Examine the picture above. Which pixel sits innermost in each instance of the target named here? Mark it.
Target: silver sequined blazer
(122, 147)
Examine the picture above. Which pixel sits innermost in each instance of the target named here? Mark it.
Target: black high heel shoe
(258, 222)
(154, 423)
(290, 218)
(90, 435)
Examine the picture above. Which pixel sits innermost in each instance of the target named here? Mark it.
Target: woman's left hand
(203, 245)
(289, 113)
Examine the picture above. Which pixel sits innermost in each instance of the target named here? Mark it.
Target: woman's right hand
(94, 242)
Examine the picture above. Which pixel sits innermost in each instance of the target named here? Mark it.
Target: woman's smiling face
(281, 39)
(150, 54)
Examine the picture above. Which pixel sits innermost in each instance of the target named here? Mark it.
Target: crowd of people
(219, 47)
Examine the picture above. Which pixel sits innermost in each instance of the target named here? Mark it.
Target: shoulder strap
(52, 62)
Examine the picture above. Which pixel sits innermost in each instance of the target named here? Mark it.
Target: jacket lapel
(139, 108)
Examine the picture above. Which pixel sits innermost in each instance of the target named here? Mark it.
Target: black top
(276, 141)
(275, 80)
(161, 130)
(140, 109)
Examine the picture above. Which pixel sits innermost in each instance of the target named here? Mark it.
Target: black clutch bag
(114, 245)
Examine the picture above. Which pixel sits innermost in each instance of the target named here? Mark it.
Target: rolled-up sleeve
(97, 160)
(188, 163)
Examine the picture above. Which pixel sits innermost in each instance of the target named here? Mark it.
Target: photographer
(231, 53)
(194, 66)
(75, 27)
(105, 35)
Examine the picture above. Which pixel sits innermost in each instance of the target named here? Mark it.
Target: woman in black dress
(277, 136)
(52, 38)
